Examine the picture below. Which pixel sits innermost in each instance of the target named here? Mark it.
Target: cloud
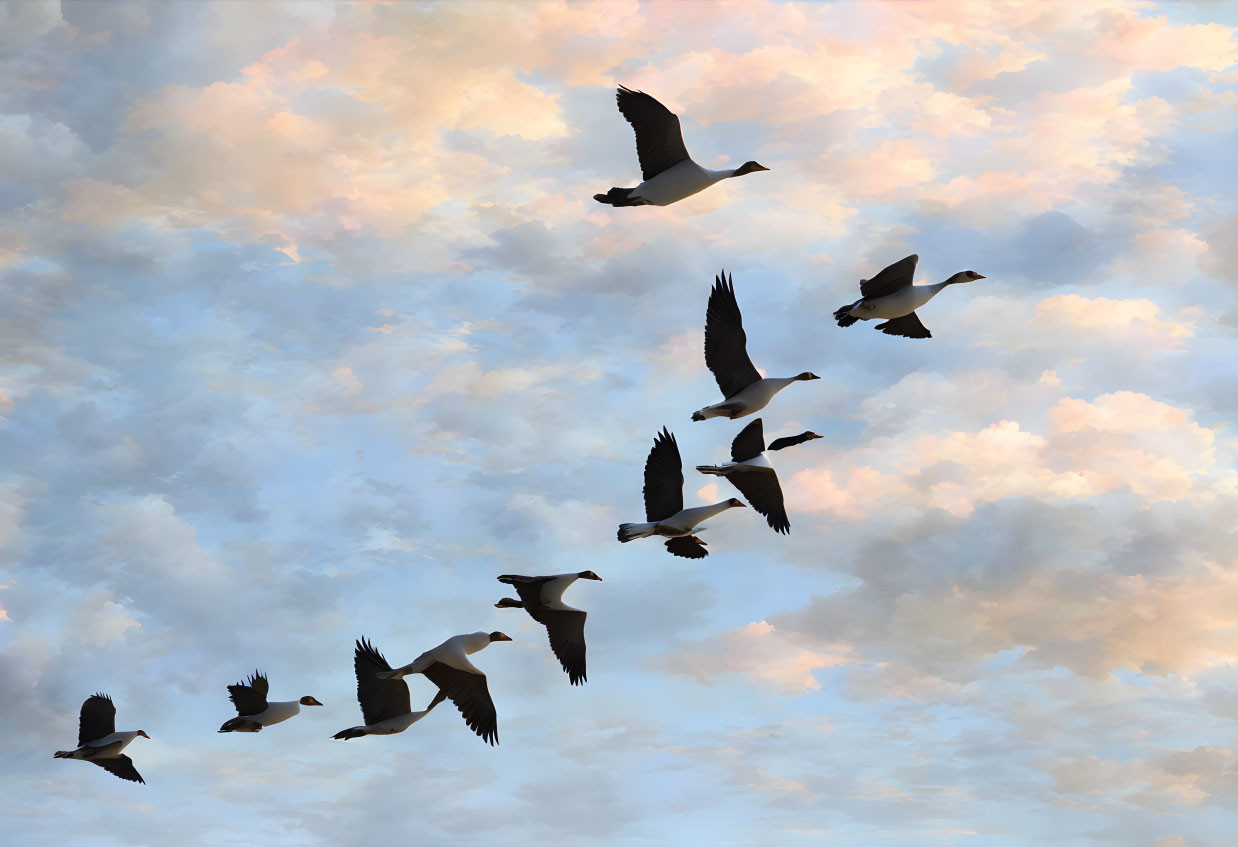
(759, 654)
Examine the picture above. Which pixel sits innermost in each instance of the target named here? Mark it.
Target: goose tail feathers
(351, 732)
(844, 316)
(629, 531)
(619, 197)
(712, 469)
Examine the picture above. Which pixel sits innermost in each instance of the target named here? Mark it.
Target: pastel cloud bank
(311, 328)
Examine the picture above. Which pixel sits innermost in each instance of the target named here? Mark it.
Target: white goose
(385, 705)
(891, 295)
(664, 509)
(726, 355)
(754, 476)
(542, 598)
(670, 174)
(99, 743)
(448, 667)
(252, 709)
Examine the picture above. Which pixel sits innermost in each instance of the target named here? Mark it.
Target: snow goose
(252, 709)
(542, 598)
(664, 509)
(890, 295)
(669, 173)
(448, 667)
(385, 704)
(754, 476)
(726, 355)
(99, 743)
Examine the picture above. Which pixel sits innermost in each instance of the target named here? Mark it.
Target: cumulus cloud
(310, 328)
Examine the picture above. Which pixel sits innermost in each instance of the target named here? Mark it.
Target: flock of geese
(669, 175)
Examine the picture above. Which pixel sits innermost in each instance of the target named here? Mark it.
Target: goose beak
(760, 168)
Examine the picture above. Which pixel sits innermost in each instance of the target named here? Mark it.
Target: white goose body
(898, 304)
(757, 463)
(677, 182)
(890, 297)
(108, 747)
(458, 680)
(99, 743)
(754, 476)
(751, 400)
(254, 711)
(668, 171)
(454, 652)
(682, 523)
(277, 712)
(664, 512)
(552, 592)
(384, 702)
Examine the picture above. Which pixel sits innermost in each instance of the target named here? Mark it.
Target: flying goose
(754, 476)
(542, 598)
(664, 503)
(252, 709)
(448, 667)
(670, 175)
(99, 743)
(726, 354)
(385, 704)
(890, 295)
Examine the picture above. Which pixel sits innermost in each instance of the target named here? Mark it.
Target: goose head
(309, 701)
(806, 375)
(498, 636)
(749, 168)
(792, 440)
(736, 504)
(964, 276)
(588, 575)
(142, 733)
(508, 603)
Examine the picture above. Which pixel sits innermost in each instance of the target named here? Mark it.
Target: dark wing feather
(663, 479)
(726, 345)
(469, 692)
(687, 547)
(763, 493)
(908, 326)
(898, 275)
(659, 141)
(528, 587)
(251, 698)
(379, 698)
(750, 442)
(566, 630)
(98, 719)
(121, 766)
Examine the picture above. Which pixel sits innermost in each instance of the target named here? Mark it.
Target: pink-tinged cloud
(760, 655)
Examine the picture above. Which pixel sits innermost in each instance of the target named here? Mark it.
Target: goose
(99, 743)
(542, 598)
(252, 709)
(754, 476)
(385, 704)
(890, 295)
(448, 667)
(669, 173)
(726, 355)
(664, 503)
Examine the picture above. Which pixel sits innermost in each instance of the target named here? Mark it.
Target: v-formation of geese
(669, 175)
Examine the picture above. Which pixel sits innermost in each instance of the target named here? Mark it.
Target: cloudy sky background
(309, 328)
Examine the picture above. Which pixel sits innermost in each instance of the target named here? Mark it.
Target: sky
(310, 328)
